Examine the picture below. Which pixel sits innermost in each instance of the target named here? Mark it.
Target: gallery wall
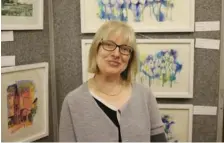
(34, 46)
(206, 68)
(31, 47)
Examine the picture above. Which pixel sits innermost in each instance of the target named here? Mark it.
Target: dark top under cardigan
(112, 114)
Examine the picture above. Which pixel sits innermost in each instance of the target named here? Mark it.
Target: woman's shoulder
(143, 90)
(77, 93)
(141, 87)
(146, 93)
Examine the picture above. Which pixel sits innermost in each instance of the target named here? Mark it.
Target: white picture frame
(148, 16)
(24, 103)
(22, 15)
(182, 86)
(179, 128)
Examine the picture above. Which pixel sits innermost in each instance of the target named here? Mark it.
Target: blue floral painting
(161, 10)
(168, 123)
(163, 66)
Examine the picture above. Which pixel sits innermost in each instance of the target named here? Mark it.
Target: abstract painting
(22, 14)
(177, 120)
(24, 102)
(166, 66)
(143, 15)
(22, 105)
(118, 10)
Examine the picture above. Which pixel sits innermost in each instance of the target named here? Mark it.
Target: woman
(111, 107)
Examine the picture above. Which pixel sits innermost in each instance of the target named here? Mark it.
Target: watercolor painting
(163, 66)
(17, 8)
(24, 102)
(177, 120)
(142, 15)
(160, 10)
(22, 14)
(112, 10)
(22, 105)
(168, 124)
(166, 66)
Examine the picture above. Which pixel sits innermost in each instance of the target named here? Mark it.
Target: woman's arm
(157, 128)
(66, 131)
(159, 138)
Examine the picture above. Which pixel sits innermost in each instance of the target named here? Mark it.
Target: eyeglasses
(109, 45)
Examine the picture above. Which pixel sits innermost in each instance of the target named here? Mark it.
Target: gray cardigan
(82, 120)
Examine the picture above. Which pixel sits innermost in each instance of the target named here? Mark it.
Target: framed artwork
(142, 15)
(24, 103)
(178, 121)
(22, 14)
(167, 66)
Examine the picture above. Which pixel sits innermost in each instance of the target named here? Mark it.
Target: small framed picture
(22, 14)
(178, 121)
(24, 103)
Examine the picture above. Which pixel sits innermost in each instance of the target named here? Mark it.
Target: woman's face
(112, 60)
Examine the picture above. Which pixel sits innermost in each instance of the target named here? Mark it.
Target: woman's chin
(112, 72)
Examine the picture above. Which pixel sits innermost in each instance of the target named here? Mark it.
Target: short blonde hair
(104, 32)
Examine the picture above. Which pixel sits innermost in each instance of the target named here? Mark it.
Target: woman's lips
(114, 63)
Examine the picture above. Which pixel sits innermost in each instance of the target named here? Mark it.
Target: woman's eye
(110, 45)
(125, 49)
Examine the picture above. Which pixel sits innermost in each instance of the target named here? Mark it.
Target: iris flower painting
(163, 66)
(160, 10)
(168, 123)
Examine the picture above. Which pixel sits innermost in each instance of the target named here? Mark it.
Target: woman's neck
(111, 81)
(108, 85)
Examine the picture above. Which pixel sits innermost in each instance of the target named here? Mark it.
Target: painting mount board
(85, 56)
(25, 128)
(181, 20)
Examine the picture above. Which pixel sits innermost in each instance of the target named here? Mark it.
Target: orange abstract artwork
(22, 105)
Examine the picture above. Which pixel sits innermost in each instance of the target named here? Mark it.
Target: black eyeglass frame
(116, 46)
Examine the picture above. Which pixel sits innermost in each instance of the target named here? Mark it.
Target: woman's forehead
(118, 38)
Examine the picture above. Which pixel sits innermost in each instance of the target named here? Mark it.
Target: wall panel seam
(221, 81)
(53, 73)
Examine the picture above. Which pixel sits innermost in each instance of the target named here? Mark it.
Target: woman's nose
(116, 52)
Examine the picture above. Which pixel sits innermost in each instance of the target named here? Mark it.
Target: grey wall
(34, 46)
